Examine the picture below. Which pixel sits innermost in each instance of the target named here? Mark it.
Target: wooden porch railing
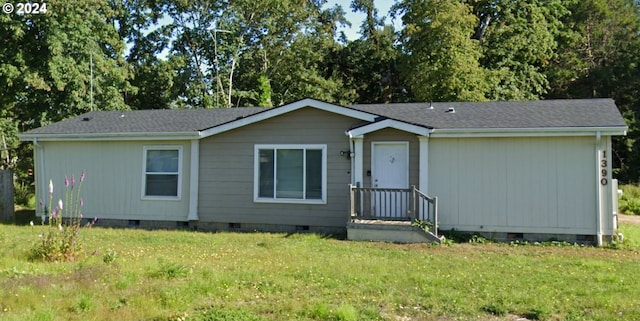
(396, 204)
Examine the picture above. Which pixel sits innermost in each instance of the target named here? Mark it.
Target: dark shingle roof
(146, 121)
(504, 114)
(498, 115)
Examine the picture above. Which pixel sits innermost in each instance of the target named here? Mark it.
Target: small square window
(162, 172)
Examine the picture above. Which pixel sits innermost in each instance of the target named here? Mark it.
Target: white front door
(390, 170)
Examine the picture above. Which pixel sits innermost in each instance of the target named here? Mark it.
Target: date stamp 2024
(23, 8)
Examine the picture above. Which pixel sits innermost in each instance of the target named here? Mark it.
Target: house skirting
(536, 237)
(221, 226)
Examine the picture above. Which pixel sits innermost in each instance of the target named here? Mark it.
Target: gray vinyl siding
(114, 175)
(392, 135)
(227, 171)
(519, 185)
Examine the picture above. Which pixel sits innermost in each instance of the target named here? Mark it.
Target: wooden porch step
(388, 231)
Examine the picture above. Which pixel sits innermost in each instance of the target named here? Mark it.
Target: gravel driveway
(629, 218)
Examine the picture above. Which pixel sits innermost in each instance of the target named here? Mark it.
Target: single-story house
(527, 169)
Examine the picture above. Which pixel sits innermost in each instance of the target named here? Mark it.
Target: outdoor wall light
(347, 154)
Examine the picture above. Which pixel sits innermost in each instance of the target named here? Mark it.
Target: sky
(356, 19)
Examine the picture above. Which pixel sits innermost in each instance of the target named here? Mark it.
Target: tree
(598, 56)
(518, 41)
(47, 62)
(369, 64)
(58, 64)
(440, 58)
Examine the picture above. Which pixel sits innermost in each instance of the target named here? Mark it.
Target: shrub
(24, 195)
(110, 256)
(629, 202)
(60, 242)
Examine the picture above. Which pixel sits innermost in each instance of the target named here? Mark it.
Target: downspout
(38, 152)
(194, 176)
(598, 191)
(351, 158)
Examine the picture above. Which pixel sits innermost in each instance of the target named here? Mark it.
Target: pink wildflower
(81, 202)
(82, 176)
(41, 203)
(53, 213)
(73, 180)
(66, 181)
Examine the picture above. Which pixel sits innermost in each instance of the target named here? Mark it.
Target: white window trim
(144, 172)
(256, 173)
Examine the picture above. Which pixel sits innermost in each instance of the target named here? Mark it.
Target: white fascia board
(276, 111)
(528, 132)
(110, 136)
(388, 123)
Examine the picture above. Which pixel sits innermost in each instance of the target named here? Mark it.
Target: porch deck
(403, 215)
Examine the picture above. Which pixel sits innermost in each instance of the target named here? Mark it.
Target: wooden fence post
(7, 214)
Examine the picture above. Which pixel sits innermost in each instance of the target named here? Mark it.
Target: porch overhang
(359, 132)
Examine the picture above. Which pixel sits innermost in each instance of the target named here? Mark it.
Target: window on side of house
(161, 172)
(290, 173)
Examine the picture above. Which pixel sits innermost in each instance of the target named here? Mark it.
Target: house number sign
(603, 169)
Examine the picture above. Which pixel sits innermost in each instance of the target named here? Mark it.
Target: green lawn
(181, 275)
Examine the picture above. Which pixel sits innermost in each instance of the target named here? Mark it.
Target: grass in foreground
(179, 275)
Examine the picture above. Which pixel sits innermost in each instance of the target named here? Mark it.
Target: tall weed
(60, 242)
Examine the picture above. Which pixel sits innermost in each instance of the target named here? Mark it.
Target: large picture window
(162, 172)
(290, 173)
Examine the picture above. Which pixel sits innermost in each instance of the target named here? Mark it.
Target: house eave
(110, 136)
(528, 132)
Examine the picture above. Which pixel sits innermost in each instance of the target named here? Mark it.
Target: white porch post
(424, 164)
(193, 180)
(358, 160)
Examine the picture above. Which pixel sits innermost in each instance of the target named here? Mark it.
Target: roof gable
(276, 111)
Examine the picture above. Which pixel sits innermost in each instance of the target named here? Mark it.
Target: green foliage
(110, 256)
(225, 315)
(629, 202)
(496, 308)
(60, 240)
(478, 239)
(346, 312)
(170, 270)
(84, 304)
(441, 61)
(631, 235)
(57, 245)
(515, 50)
(537, 313)
(425, 225)
(24, 195)
(264, 92)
